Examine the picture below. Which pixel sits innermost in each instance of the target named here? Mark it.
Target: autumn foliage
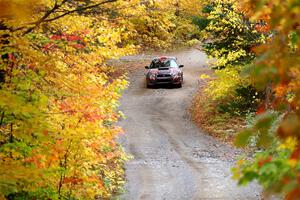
(277, 125)
(58, 100)
(255, 43)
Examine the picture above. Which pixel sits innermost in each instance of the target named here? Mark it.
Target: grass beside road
(223, 126)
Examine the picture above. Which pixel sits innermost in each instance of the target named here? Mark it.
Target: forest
(60, 93)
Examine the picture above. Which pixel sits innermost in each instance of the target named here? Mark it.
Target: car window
(171, 63)
(160, 64)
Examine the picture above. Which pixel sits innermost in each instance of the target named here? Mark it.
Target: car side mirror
(147, 67)
(180, 66)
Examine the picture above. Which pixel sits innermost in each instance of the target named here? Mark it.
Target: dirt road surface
(174, 160)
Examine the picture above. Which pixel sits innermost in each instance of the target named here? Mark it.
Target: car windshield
(162, 64)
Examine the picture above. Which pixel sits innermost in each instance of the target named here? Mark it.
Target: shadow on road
(165, 86)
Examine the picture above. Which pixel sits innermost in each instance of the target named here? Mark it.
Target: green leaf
(294, 38)
(243, 138)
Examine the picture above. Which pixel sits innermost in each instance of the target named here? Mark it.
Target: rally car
(164, 70)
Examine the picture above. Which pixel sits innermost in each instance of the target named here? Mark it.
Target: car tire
(179, 85)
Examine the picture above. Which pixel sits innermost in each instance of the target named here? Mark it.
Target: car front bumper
(164, 80)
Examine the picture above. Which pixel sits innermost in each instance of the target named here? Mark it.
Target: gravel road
(173, 159)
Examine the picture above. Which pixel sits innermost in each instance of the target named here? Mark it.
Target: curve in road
(173, 159)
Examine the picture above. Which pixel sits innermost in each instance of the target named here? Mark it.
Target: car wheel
(179, 85)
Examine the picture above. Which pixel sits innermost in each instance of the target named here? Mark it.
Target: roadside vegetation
(228, 38)
(252, 97)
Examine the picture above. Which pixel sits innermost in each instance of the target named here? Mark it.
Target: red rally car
(164, 70)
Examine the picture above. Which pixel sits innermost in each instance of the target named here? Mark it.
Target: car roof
(161, 58)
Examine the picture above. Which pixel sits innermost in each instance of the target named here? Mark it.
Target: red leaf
(56, 37)
(261, 109)
(73, 38)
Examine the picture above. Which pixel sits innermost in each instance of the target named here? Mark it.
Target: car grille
(164, 80)
(163, 75)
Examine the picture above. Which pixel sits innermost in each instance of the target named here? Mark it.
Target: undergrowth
(222, 125)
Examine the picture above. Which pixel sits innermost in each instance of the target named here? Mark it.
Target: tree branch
(46, 15)
(80, 9)
(57, 6)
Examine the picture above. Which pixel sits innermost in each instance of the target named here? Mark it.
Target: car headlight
(152, 76)
(175, 74)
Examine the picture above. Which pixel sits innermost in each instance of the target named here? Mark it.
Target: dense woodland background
(59, 96)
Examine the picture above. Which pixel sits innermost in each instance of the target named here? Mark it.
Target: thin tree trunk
(177, 6)
(64, 165)
(11, 136)
(268, 95)
(2, 118)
